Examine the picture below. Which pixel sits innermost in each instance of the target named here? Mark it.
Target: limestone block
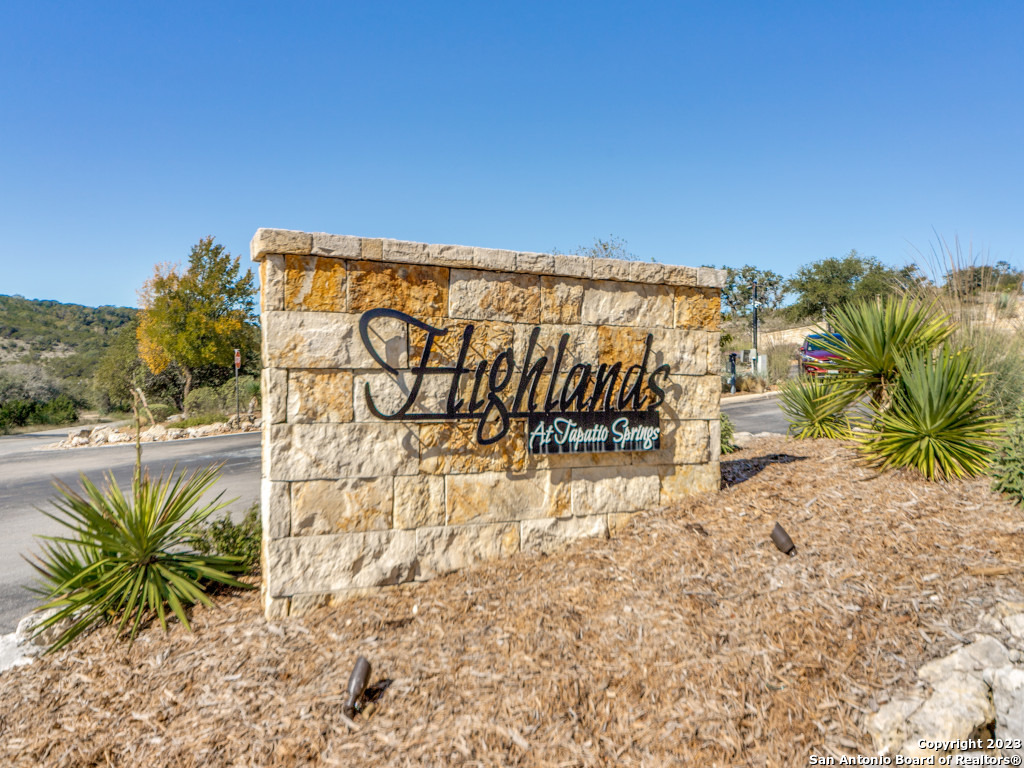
(584, 460)
(336, 246)
(276, 608)
(675, 275)
(318, 564)
(275, 509)
(476, 295)
(888, 726)
(419, 501)
(709, 277)
(417, 290)
(449, 548)
(698, 308)
(684, 351)
(490, 258)
(958, 705)
(554, 533)
(1008, 698)
(451, 448)
(691, 397)
(330, 340)
(619, 523)
(584, 346)
(454, 256)
(279, 241)
(340, 506)
(683, 442)
(683, 480)
(408, 253)
(330, 451)
(314, 284)
(272, 272)
(573, 266)
(371, 249)
(561, 300)
(715, 439)
(606, 302)
(319, 396)
(611, 269)
(500, 497)
(274, 388)
(603, 490)
(303, 605)
(648, 272)
(715, 353)
(535, 263)
(391, 392)
(488, 340)
(984, 653)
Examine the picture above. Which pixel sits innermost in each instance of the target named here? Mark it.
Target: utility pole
(238, 364)
(755, 326)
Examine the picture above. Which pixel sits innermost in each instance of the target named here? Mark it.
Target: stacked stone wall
(352, 502)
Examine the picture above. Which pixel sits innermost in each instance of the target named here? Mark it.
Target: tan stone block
(404, 252)
(314, 284)
(648, 272)
(583, 345)
(317, 564)
(390, 393)
(272, 275)
(477, 295)
(494, 260)
(583, 460)
(450, 548)
(274, 389)
(715, 353)
(452, 448)
(276, 608)
(709, 277)
(685, 352)
(561, 300)
(682, 442)
(330, 340)
(319, 396)
(698, 308)
(715, 439)
(337, 246)
(275, 509)
(553, 534)
(573, 266)
(501, 497)
(489, 339)
(535, 263)
(419, 501)
(619, 523)
(371, 249)
(340, 506)
(455, 256)
(614, 489)
(417, 290)
(680, 275)
(279, 241)
(606, 302)
(611, 269)
(684, 480)
(331, 451)
(302, 605)
(691, 397)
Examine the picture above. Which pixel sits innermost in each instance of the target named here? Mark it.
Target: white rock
(1008, 697)
(959, 704)
(1015, 625)
(888, 726)
(984, 653)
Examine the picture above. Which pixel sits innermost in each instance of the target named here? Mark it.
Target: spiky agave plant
(937, 421)
(129, 558)
(815, 407)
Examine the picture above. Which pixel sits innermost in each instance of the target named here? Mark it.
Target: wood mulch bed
(687, 640)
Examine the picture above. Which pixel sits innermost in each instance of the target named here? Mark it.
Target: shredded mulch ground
(688, 640)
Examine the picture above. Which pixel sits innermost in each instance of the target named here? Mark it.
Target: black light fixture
(356, 685)
(781, 540)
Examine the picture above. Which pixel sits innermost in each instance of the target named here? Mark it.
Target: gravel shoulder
(688, 639)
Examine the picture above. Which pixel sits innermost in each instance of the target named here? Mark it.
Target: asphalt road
(27, 474)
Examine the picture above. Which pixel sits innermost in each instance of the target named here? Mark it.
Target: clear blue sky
(727, 133)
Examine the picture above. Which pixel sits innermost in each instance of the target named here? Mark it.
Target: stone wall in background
(352, 501)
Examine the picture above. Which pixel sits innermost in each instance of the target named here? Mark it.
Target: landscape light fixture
(356, 685)
(781, 540)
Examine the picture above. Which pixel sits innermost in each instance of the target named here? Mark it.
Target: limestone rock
(959, 704)
(275, 506)
(698, 308)
(319, 396)
(682, 480)
(888, 726)
(1008, 698)
(451, 448)
(561, 300)
(419, 291)
(280, 241)
(984, 653)
(631, 304)
(330, 340)
(332, 451)
(337, 506)
(552, 534)
(500, 497)
(450, 548)
(419, 501)
(615, 489)
(314, 284)
(336, 246)
(476, 295)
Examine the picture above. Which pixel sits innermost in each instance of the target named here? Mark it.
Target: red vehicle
(815, 360)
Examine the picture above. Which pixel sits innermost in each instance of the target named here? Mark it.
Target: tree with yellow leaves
(196, 318)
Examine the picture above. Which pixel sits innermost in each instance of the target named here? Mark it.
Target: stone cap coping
(291, 242)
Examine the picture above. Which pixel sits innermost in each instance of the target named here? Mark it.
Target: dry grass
(687, 640)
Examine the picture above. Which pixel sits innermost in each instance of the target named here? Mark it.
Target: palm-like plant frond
(816, 407)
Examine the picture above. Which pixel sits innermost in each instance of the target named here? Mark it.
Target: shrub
(161, 411)
(200, 420)
(1007, 468)
(242, 540)
(60, 410)
(129, 557)
(204, 400)
(815, 407)
(780, 359)
(727, 432)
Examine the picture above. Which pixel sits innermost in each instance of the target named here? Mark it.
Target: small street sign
(238, 359)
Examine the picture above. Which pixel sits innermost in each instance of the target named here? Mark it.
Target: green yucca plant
(937, 420)
(815, 407)
(872, 337)
(131, 557)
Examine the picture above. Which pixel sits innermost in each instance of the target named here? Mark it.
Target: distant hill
(68, 339)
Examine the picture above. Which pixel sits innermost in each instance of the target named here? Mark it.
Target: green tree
(738, 293)
(826, 285)
(975, 278)
(612, 248)
(197, 317)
